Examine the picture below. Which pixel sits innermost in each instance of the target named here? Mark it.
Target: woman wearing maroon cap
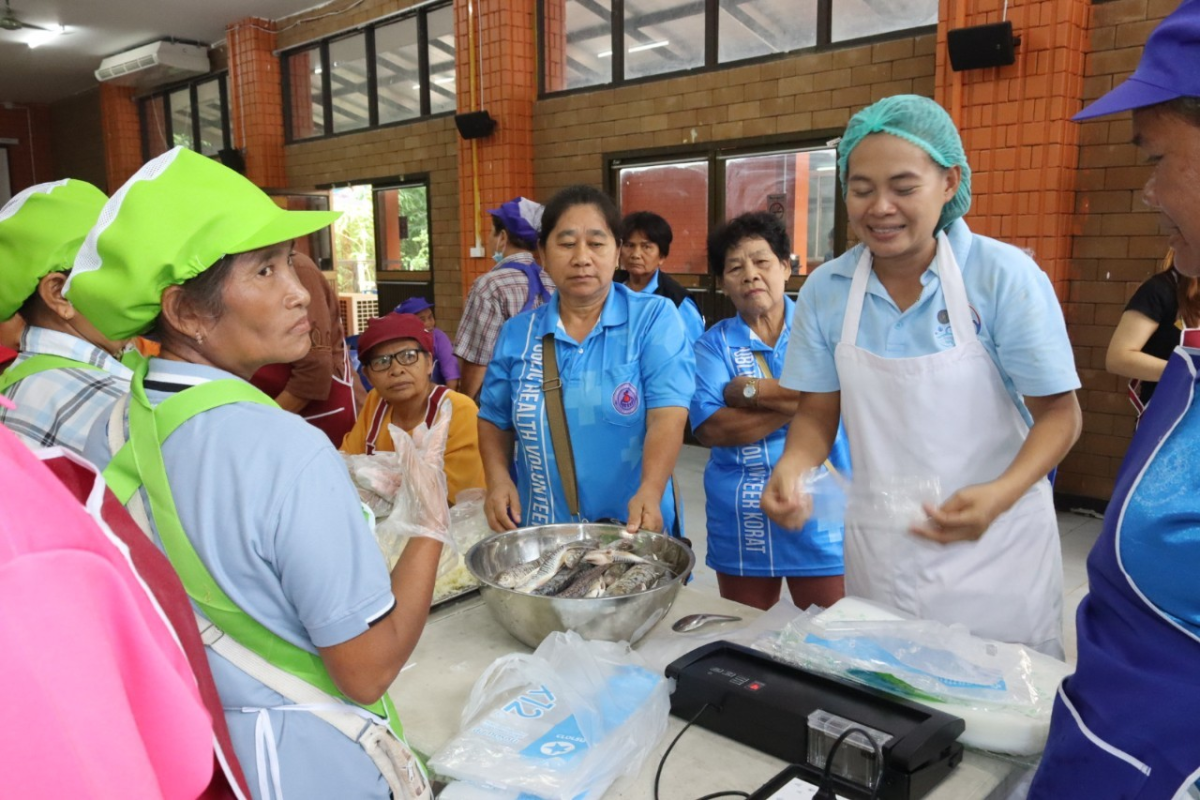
(397, 353)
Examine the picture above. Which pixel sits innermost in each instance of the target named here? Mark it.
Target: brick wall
(801, 95)
(428, 147)
(121, 129)
(30, 161)
(1117, 247)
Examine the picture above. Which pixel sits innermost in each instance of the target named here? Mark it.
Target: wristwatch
(750, 391)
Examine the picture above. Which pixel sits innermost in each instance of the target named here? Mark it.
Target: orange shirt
(463, 464)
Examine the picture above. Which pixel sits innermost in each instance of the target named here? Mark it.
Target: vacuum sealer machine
(796, 715)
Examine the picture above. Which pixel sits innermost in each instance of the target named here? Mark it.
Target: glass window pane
(678, 193)
(749, 28)
(663, 36)
(348, 75)
(208, 106)
(403, 216)
(856, 18)
(354, 238)
(397, 73)
(304, 79)
(440, 26)
(793, 187)
(181, 118)
(318, 244)
(578, 47)
(154, 123)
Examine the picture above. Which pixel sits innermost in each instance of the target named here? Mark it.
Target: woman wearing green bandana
(252, 505)
(945, 355)
(67, 371)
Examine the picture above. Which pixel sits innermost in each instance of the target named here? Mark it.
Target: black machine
(795, 715)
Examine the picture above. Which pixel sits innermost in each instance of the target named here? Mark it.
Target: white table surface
(462, 638)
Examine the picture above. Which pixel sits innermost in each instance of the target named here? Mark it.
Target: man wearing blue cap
(1124, 724)
(445, 366)
(517, 283)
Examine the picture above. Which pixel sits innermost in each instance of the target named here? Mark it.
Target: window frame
(712, 63)
(192, 84)
(718, 154)
(421, 13)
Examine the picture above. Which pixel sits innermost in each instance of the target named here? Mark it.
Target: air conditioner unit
(154, 64)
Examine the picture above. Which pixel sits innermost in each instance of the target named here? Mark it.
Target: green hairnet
(922, 122)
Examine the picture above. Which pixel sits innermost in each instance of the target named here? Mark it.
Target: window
(402, 227)
(395, 70)
(854, 19)
(750, 28)
(193, 115)
(663, 36)
(593, 42)
(679, 193)
(698, 191)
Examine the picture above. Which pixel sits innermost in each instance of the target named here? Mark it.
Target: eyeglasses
(406, 357)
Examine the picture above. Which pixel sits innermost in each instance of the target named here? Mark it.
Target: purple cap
(1166, 71)
(521, 217)
(413, 305)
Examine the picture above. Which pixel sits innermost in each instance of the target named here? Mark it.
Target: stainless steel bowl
(531, 618)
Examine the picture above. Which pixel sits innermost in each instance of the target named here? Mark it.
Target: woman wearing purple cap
(1124, 724)
(445, 365)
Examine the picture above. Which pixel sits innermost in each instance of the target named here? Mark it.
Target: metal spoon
(693, 621)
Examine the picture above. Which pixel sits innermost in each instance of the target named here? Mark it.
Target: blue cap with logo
(1167, 70)
(521, 217)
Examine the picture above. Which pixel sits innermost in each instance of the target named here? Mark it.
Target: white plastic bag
(567, 719)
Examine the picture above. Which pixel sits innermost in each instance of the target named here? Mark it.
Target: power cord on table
(826, 791)
(663, 761)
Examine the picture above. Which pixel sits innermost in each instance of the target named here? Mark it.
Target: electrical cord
(663, 761)
(826, 791)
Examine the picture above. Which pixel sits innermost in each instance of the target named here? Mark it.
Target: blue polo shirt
(1013, 305)
(693, 320)
(268, 504)
(742, 540)
(637, 357)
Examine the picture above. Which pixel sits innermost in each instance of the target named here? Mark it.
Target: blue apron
(1127, 723)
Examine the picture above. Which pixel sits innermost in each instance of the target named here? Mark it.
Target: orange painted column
(121, 129)
(800, 210)
(256, 100)
(1015, 123)
(496, 71)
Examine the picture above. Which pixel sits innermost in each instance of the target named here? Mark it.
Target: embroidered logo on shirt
(625, 399)
(943, 333)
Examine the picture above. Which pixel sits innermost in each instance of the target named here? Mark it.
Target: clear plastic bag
(566, 720)
(406, 489)
(919, 659)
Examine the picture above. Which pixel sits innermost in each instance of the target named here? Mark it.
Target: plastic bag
(566, 720)
(406, 489)
(919, 659)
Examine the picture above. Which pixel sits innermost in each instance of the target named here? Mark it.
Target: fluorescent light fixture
(416, 87)
(605, 54)
(39, 38)
(649, 46)
(446, 79)
(317, 70)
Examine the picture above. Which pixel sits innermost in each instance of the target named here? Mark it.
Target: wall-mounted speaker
(982, 46)
(233, 158)
(475, 124)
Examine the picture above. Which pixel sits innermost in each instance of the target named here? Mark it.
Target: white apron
(949, 416)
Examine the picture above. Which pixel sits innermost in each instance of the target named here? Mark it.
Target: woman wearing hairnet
(946, 356)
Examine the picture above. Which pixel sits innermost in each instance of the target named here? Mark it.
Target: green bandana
(176, 217)
(41, 229)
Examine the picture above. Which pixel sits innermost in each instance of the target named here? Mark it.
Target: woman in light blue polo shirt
(627, 377)
(742, 412)
(946, 356)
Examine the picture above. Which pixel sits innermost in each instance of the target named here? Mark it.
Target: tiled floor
(1077, 531)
